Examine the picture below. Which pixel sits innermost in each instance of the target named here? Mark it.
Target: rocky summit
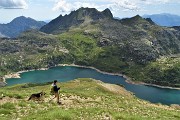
(75, 18)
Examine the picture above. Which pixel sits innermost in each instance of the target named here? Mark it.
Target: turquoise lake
(66, 73)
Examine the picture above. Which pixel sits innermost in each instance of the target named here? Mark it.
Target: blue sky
(49, 9)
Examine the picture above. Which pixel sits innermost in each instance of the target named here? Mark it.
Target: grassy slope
(85, 50)
(81, 99)
(164, 71)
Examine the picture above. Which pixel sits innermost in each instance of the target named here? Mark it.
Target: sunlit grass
(81, 99)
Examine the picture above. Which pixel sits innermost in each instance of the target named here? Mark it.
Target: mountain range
(18, 25)
(136, 46)
(165, 19)
(21, 24)
(132, 32)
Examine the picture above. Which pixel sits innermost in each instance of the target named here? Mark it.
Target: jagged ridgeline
(133, 46)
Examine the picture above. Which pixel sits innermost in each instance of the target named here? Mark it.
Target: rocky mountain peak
(150, 21)
(63, 23)
(108, 13)
(93, 13)
(136, 20)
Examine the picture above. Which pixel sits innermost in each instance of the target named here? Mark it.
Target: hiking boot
(59, 103)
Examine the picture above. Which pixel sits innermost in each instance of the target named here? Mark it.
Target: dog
(37, 96)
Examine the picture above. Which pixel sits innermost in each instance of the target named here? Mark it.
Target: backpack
(52, 90)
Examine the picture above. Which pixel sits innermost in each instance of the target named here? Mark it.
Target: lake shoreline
(16, 75)
(128, 79)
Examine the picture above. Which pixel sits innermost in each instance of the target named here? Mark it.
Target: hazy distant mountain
(47, 21)
(18, 25)
(1, 35)
(117, 18)
(165, 19)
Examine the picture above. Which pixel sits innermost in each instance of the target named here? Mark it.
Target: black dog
(37, 96)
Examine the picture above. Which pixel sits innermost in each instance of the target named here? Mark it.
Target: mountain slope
(18, 25)
(133, 42)
(136, 47)
(136, 30)
(81, 99)
(142, 39)
(165, 19)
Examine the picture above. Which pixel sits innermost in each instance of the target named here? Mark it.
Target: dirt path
(4, 100)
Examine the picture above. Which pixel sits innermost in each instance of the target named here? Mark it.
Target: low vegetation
(81, 99)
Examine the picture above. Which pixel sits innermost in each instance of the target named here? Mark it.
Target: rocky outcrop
(2, 81)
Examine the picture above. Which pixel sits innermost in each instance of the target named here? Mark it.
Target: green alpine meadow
(81, 99)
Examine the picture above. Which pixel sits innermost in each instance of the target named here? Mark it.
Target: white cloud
(114, 5)
(123, 4)
(151, 1)
(13, 4)
(155, 2)
(67, 5)
(63, 6)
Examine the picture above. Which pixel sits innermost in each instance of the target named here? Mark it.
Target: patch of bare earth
(8, 100)
(115, 89)
(120, 90)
